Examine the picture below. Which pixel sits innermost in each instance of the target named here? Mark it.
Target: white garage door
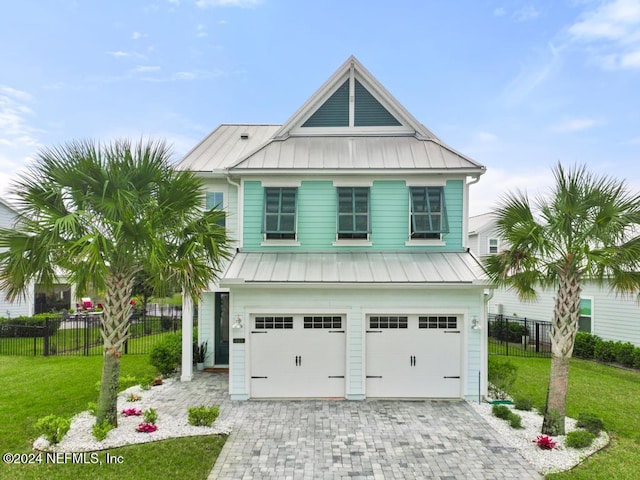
(414, 356)
(298, 356)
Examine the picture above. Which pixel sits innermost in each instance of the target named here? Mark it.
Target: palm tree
(586, 229)
(102, 213)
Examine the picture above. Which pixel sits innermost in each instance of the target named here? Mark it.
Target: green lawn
(33, 387)
(610, 393)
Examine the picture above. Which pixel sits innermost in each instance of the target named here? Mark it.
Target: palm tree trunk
(115, 330)
(565, 325)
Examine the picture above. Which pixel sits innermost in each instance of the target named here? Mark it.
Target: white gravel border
(80, 438)
(544, 461)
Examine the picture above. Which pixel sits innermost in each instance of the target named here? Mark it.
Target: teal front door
(221, 347)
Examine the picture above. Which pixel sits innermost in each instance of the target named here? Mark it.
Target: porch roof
(355, 268)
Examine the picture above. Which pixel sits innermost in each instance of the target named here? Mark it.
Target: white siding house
(602, 312)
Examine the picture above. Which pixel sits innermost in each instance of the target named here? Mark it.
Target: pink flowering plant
(128, 412)
(146, 427)
(545, 442)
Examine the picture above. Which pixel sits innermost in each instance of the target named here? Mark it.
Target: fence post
(537, 337)
(45, 338)
(86, 336)
(506, 319)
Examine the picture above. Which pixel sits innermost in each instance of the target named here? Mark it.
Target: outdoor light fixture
(475, 325)
(238, 322)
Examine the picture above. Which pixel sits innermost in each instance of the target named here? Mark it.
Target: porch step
(217, 369)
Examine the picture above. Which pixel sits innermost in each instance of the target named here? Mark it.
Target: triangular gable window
(334, 112)
(366, 112)
(369, 112)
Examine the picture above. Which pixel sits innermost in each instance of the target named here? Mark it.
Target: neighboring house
(602, 312)
(351, 277)
(25, 306)
(36, 300)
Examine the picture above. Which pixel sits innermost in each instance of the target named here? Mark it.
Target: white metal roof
(339, 152)
(355, 267)
(225, 146)
(478, 223)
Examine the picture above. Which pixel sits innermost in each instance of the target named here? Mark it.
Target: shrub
(523, 403)
(636, 357)
(515, 420)
(150, 416)
(100, 430)
(590, 423)
(579, 439)
(28, 326)
(585, 345)
(166, 354)
(53, 428)
(127, 381)
(502, 375)
(501, 411)
(203, 416)
(510, 331)
(624, 353)
(605, 351)
(555, 421)
(92, 408)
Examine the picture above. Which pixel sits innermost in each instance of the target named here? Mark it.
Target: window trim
(497, 246)
(591, 317)
(291, 236)
(359, 236)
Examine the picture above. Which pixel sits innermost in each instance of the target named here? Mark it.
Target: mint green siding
(316, 217)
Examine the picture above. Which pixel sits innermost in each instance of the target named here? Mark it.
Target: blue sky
(518, 85)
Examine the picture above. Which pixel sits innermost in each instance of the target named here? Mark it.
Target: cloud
(485, 137)
(118, 53)
(138, 35)
(228, 3)
(574, 125)
(531, 76)
(499, 12)
(146, 68)
(611, 34)
(201, 31)
(526, 13)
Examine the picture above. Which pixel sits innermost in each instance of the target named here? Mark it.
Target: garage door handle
(451, 331)
(336, 331)
(374, 376)
(298, 360)
(259, 377)
(259, 331)
(412, 360)
(452, 376)
(336, 376)
(374, 331)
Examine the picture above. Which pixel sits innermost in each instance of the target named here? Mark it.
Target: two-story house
(351, 277)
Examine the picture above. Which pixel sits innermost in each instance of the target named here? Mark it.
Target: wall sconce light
(475, 324)
(238, 323)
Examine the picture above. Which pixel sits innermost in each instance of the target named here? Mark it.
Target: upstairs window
(353, 213)
(216, 200)
(280, 213)
(493, 245)
(428, 213)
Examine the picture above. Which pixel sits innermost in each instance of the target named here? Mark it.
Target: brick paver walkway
(335, 439)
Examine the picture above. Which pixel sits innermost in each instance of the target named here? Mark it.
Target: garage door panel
(306, 360)
(419, 357)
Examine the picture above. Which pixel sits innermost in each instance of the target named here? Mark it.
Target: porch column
(187, 338)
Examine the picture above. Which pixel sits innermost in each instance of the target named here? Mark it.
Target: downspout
(465, 212)
(240, 201)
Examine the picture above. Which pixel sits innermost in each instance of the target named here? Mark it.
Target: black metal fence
(80, 335)
(521, 337)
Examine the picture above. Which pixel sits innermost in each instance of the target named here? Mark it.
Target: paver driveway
(373, 439)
